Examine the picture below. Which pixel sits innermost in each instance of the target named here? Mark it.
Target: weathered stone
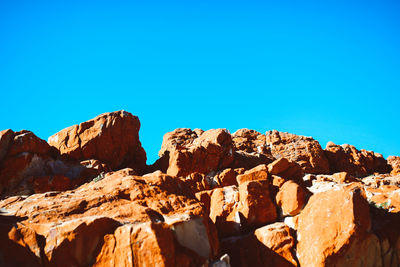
(291, 198)
(303, 150)
(112, 138)
(257, 173)
(189, 152)
(334, 230)
(76, 222)
(146, 244)
(359, 163)
(255, 203)
(277, 237)
(285, 169)
(394, 162)
(223, 213)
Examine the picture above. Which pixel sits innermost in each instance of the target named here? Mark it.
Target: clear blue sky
(327, 69)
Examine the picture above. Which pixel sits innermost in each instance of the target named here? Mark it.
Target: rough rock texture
(250, 149)
(277, 237)
(29, 165)
(303, 150)
(334, 230)
(74, 224)
(196, 151)
(291, 198)
(394, 162)
(271, 245)
(112, 138)
(212, 199)
(255, 203)
(359, 163)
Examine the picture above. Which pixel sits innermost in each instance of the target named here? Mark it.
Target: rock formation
(87, 198)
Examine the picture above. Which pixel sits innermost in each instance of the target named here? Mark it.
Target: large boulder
(30, 165)
(112, 138)
(256, 204)
(334, 229)
(250, 149)
(196, 151)
(359, 163)
(303, 150)
(81, 227)
(291, 198)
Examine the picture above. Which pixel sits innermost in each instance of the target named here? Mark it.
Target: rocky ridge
(87, 198)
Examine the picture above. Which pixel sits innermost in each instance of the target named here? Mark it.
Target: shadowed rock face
(212, 199)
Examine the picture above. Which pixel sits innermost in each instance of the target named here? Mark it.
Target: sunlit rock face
(87, 198)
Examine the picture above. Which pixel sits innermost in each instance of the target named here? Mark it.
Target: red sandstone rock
(286, 169)
(30, 165)
(190, 152)
(394, 162)
(291, 198)
(271, 245)
(255, 203)
(359, 163)
(257, 173)
(112, 138)
(334, 230)
(6, 137)
(75, 222)
(277, 237)
(223, 210)
(250, 149)
(303, 150)
(146, 244)
(19, 245)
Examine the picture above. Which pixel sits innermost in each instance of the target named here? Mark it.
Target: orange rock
(394, 162)
(291, 198)
(334, 230)
(303, 150)
(285, 169)
(76, 242)
(346, 158)
(26, 141)
(227, 177)
(255, 202)
(189, 152)
(146, 244)
(277, 238)
(75, 222)
(250, 149)
(223, 204)
(19, 245)
(112, 138)
(257, 173)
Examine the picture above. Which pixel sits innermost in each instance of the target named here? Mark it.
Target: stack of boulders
(87, 198)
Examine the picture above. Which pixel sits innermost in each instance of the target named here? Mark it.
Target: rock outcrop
(394, 162)
(213, 198)
(29, 165)
(111, 138)
(303, 150)
(359, 163)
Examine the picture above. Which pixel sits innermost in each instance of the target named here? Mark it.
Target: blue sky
(327, 69)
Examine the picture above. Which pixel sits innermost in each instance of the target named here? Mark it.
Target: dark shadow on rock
(248, 251)
(14, 252)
